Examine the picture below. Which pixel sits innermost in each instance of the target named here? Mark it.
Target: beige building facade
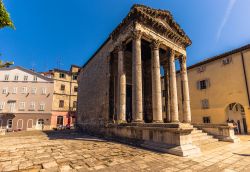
(64, 96)
(25, 99)
(219, 89)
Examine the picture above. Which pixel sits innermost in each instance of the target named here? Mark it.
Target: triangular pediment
(160, 20)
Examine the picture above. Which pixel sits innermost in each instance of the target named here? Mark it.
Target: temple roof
(162, 20)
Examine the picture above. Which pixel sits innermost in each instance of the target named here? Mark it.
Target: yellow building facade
(64, 96)
(219, 89)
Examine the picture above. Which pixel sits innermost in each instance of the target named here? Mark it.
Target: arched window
(30, 123)
(19, 124)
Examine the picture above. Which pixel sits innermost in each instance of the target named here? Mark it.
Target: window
(74, 104)
(25, 78)
(74, 76)
(21, 105)
(5, 91)
(203, 84)
(61, 103)
(2, 105)
(24, 90)
(59, 120)
(33, 90)
(9, 123)
(227, 60)
(44, 90)
(204, 104)
(206, 119)
(42, 107)
(75, 88)
(12, 106)
(62, 87)
(32, 106)
(34, 78)
(6, 77)
(14, 90)
(61, 75)
(201, 69)
(16, 78)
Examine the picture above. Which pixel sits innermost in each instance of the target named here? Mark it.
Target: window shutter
(198, 85)
(208, 82)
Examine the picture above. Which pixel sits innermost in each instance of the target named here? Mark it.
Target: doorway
(236, 114)
(40, 124)
(129, 103)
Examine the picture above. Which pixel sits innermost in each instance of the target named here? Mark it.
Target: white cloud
(225, 19)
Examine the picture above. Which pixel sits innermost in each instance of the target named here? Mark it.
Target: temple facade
(120, 92)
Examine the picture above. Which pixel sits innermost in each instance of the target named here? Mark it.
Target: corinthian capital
(155, 44)
(183, 59)
(183, 65)
(136, 34)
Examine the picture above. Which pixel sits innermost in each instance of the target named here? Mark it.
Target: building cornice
(228, 53)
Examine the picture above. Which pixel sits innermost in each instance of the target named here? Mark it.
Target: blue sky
(52, 33)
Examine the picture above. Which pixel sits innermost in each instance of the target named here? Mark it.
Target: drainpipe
(245, 76)
(69, 112)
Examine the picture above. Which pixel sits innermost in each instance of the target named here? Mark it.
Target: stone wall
(93, 91)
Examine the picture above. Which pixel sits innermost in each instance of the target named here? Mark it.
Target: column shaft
(156, 83)
(173, 89)
(186, 98)
(167, 93)
(122, 85)
(137, 78)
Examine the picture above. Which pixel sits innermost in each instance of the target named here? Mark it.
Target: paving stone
(35, 151)
(48, 165)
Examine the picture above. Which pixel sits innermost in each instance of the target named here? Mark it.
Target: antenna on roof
(59, 63)
(33, 66)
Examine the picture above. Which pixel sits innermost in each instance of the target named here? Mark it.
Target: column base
(175, 121)
(157, 121)
(137, 121)
(121, 121)
(186, 122)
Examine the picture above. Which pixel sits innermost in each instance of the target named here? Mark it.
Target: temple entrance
(128, 103)
(236, 114)
(146, 82)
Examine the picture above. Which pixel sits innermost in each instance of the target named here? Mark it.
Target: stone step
(204, 137)
(198, 134)
(204, 142)
(195, 130)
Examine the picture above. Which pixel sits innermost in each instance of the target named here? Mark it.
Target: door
(59, 121)
(40, 124)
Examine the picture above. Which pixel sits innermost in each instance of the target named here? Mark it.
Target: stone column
(156, 82)
(167, 93)
(186, 98)
(137, 77)
(122, 85)
(173, 89)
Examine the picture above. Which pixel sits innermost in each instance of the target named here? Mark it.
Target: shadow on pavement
(241, 154)
(78, 135)
(71, 135)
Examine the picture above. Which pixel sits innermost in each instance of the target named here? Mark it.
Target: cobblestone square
(71, 151)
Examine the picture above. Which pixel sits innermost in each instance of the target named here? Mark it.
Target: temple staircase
(205, 141)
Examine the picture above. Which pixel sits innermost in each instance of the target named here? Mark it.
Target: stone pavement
(61, 151)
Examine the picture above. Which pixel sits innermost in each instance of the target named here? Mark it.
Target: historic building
(64, 96)
(25, 99)
(120, 93)
(219, 89)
